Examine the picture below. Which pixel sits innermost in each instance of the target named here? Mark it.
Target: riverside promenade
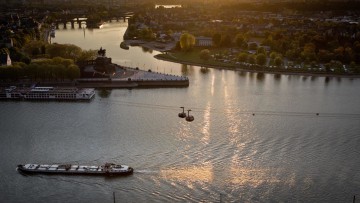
(126, 77)
(102, 73)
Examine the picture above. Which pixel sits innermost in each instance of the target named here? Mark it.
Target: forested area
(56, 62)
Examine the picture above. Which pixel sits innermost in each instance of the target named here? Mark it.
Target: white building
(203, 41)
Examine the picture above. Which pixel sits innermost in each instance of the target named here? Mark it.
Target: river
(255, 137)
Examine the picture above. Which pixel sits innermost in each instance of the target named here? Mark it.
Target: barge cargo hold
(108, 169)
(47, 93)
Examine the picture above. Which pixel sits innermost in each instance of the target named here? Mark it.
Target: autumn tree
(308, 53)
(187, 41)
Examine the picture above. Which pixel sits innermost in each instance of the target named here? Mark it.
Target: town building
(4, 58)
(203, 41)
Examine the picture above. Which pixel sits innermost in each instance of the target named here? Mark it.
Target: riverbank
(152, 45)
(238, 67)
(132, 84)
(106, 83)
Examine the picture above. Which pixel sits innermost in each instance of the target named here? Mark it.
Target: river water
(255, 138)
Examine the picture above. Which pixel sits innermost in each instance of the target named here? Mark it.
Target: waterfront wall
(134, 84)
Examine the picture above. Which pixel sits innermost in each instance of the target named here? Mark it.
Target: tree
(177, 46)
(17, 55)
(252, 59)
(147, 34)
(355, 68)
(325, 56)
(278, 61)
(73, 72)
(205, 54)
(292, 54)
(225, 41)
(34, 48)
(243, 57)
(187, 41)
(87, 55)
(309, 52)
(68, 51)
(239, 40)
(261, 59)
(253, 46)
(261, 50)
(273, 55)
(216, 39)
(348, 55)
(336, 66)
(245, 46)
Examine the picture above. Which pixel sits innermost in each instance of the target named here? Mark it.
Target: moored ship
(47, 93)
(108, 169)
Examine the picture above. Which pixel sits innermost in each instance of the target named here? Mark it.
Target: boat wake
(145, 171)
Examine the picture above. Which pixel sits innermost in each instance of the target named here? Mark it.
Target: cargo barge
(108, 169)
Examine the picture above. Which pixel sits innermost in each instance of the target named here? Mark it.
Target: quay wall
(106, 84)
(134, 84)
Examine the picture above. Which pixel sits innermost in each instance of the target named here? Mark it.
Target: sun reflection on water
(189, 174)
(252, 177)
(206, 126)
(212, 84)
(257, 177)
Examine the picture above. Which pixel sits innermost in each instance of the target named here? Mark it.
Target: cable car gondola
(189, 118)
(183, 114)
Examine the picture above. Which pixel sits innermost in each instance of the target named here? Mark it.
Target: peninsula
(279, 37)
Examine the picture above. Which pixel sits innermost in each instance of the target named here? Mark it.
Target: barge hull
(75, 173)
(108, 169)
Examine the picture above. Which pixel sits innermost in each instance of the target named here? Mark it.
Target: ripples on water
(254, 138)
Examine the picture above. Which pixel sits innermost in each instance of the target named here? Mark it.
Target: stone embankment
(126, 77)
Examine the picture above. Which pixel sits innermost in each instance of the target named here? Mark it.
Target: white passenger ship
(47, 93)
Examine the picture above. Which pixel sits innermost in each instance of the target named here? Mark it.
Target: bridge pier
(79, 23)
(65, 25)
(72, 24)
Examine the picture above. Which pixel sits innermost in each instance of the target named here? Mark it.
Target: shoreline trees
(55, 69)
(54, 62)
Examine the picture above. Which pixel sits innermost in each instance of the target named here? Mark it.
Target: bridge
(80, 19)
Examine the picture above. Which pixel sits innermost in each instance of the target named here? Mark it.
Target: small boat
(108, 169)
